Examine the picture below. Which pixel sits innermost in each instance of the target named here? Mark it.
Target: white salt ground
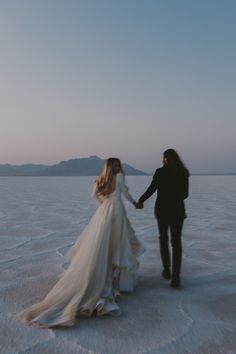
(41, 217)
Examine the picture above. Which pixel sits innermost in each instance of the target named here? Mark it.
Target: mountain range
(90, 166)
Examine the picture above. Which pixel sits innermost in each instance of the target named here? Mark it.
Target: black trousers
(174, 225)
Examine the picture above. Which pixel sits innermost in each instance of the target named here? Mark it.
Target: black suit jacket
(172, 187)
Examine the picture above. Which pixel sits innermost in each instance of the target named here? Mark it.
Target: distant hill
(22, 170)
(90, 166)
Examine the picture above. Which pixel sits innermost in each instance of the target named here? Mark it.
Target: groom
(171, 184)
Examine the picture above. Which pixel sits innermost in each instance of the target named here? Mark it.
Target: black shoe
(175, 282)
(166, 274)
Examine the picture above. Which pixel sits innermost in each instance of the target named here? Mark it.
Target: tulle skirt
(103, 264)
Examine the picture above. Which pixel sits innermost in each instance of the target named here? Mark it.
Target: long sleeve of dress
(124, 189)
(94, 193)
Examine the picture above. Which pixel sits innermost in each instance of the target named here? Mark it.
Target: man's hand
(139, 205)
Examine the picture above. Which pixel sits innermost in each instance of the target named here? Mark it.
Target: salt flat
(40, 219)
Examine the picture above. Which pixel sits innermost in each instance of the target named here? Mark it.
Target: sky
(127, 78)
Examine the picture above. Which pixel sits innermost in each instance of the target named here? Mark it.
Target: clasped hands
(138, 205)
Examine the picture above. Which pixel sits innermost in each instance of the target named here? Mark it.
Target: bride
(103, 260)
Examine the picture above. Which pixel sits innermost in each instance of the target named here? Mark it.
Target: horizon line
(78, 158)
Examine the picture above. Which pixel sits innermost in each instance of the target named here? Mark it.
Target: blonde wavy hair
(105, 182)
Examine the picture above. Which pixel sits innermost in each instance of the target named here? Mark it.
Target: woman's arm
(124, 189)
(95, 194)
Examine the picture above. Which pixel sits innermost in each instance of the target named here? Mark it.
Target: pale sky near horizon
(125, 78)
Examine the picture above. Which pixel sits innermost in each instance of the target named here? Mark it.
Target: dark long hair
(174, 161)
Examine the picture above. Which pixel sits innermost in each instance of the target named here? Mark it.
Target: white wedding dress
(103, 263)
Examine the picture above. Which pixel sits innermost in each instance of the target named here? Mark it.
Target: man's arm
(186, 187)
(151, 189)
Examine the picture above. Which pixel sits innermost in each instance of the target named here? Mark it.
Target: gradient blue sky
(126, 78)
